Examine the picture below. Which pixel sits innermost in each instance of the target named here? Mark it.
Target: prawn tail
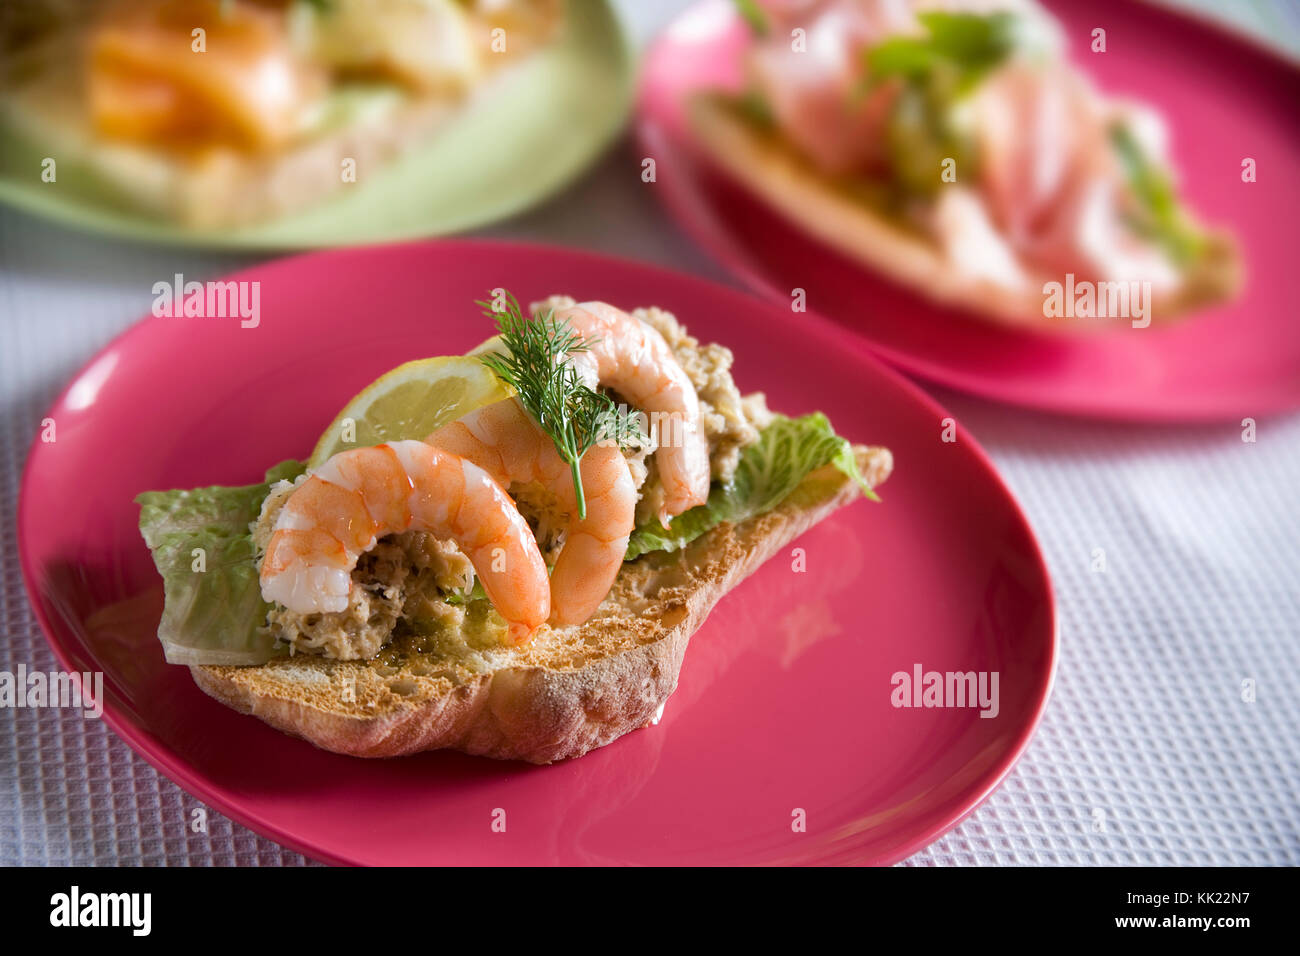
(518, 633)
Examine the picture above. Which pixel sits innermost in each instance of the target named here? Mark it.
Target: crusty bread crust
(571, 690)
(771, 170)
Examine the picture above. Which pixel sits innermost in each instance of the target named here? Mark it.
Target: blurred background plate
(784, 699)
(529, 138)
(1224, 98)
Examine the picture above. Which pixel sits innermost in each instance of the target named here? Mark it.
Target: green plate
(529, 138)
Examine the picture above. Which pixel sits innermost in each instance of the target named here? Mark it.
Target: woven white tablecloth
(1147, 727)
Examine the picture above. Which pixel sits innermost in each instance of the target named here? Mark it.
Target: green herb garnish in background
(574, 415)
(935, 70)
(753, 15)
(1160, 216)
(754, 108)
(963, 45)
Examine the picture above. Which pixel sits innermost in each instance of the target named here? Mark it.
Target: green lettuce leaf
(213, 616)
(768, 471)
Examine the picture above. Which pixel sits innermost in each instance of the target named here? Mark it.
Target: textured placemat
(1147, 754)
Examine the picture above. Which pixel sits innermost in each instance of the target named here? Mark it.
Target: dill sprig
(574, 415)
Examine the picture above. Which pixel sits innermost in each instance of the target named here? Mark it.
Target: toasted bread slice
(769, 168)
(569, 691)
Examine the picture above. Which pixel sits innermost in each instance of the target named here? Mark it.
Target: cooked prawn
(358, 496)
(506, 443)
(1051, 180)
(631, 358)
(815, 92)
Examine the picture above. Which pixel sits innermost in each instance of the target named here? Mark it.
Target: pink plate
(784, 701)
(1225, 100)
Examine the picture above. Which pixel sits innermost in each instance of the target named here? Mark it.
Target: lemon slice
(487, 346)
(410, 402)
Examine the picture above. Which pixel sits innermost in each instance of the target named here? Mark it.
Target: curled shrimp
(506, 443)
(358, 496)
(632, 358)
